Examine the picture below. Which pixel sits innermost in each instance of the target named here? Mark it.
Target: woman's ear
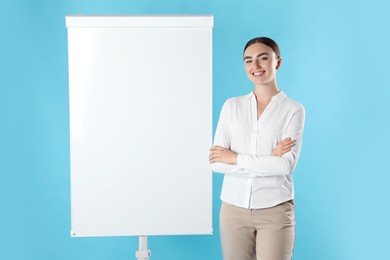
(279, 63)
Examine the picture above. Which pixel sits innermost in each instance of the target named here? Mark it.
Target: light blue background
(335, 61)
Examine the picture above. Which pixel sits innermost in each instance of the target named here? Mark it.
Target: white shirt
(258, 180)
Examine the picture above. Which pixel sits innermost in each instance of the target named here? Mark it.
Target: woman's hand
(283, 147)
(221, 154)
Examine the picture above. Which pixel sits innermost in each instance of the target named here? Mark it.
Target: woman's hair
(266, 41)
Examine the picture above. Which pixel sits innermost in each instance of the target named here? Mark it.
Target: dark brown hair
(266, 41)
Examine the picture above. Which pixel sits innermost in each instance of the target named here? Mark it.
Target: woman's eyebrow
(261, 54)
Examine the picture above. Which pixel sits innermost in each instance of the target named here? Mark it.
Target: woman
(257, 145)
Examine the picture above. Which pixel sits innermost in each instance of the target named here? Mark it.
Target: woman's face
(261, 64)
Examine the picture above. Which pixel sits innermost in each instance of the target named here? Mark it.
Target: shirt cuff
(242, 161)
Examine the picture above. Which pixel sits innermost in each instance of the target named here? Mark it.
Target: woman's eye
(248, 61)
(265, 58)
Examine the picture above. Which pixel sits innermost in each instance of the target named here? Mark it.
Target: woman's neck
(264, 93)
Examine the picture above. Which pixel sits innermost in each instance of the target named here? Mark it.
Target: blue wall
(335, 61)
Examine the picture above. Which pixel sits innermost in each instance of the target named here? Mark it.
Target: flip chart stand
(143, 252)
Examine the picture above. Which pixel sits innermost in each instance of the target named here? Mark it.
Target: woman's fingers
(287, 140)
(215, 152)
(222, 154)
(283, 147)
(286, 147)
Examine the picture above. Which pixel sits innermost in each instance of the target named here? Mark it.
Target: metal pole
(143, 252)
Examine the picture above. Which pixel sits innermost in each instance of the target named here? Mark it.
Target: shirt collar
(278, 97)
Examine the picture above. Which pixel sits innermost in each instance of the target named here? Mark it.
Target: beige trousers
(262, 234)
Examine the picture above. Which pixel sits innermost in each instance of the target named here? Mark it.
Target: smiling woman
(262, 55)
(257, 145)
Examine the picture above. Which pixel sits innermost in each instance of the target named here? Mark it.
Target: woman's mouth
(258, 73)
